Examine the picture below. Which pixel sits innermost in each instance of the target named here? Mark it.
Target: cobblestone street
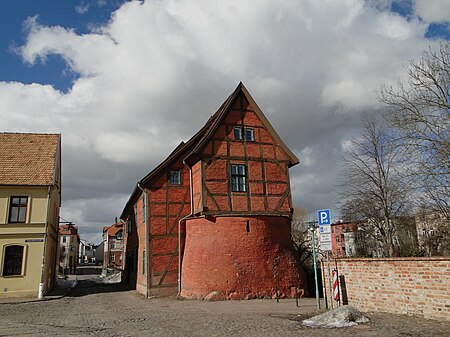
(95, 309)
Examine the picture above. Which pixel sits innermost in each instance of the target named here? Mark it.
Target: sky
(124, 82)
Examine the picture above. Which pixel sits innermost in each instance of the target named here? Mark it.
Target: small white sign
(325, 245)
(325, 237)
(325, 229)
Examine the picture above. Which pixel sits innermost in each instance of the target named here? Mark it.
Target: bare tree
(419, 108)
(301, 237)
(372, 185)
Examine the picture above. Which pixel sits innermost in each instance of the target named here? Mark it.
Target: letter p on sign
(323, 216)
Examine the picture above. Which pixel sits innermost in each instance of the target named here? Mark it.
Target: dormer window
(240, 132)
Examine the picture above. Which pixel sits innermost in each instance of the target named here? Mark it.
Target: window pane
(242, 184)
(22, 214)
(23, 201)
(237, 132)
(13, 260)
(249, 134)
(14, 214)
(238, 178)
(175, 177)
(234, 184)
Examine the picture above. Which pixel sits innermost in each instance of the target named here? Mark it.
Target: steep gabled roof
(195, 145)
(218, 117)
(28, 158)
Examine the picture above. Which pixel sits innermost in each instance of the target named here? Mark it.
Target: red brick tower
(238, 239)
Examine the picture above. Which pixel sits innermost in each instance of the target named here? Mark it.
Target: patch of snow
(341, 317)
(113, 278)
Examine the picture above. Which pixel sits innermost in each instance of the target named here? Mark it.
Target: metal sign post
(312, 225)
(324, 216)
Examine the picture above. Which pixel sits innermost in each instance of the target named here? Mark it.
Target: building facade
(86, 252)
(113, 245)
(215, 216)
(343, 236)
(69, 245)
(30, 199)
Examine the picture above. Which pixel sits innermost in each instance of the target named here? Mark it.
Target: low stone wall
(412, 286)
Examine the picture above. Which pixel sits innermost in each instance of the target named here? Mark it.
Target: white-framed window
(238, 178)
(237, 130)
(175, 177)
(241, 132)
(13, 260)
(249, 134)
(112, 258)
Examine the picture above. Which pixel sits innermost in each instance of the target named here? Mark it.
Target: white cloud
(82, 8)
(433, 10)
(156, 71)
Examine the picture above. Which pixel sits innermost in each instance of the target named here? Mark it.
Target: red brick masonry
(227, 255)
(412, 286)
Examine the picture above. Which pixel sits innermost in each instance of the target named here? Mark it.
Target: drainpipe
(41, 290)
(179, 227)
(146, 234)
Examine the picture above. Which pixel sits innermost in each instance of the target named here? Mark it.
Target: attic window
(175, 178)
(241, 132)
(249, 134)
(237, 132)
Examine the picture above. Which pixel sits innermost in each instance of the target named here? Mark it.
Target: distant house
(30, 199)
(86, 252)
(433, 233)
(342, 239)
(69, 245)
(113, 245)
(215, 215)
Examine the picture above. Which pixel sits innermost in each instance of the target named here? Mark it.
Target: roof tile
(28, 158)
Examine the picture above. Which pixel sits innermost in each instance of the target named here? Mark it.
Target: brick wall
(412, 286)
(235, 257)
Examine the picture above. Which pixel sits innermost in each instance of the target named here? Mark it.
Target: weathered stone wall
(413, 286)
(239, 257)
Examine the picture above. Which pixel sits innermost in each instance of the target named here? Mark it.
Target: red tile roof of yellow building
(28, 158)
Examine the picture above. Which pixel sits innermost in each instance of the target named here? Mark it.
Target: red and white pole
(335, 286)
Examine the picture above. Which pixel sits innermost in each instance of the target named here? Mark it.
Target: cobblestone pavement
(93, 309)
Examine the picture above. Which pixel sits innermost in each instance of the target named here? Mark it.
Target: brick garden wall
(412, 286)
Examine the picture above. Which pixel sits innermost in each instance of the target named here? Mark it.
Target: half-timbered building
(214, 217)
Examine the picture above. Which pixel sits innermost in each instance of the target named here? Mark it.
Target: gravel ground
(95, 309)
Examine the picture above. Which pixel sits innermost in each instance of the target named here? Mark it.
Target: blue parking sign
(324, 217)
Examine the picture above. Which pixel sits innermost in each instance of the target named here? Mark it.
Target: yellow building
(30, 198)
